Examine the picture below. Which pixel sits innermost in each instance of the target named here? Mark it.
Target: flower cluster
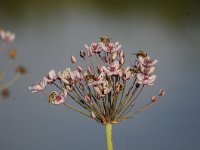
(7, 37)
(104, 87)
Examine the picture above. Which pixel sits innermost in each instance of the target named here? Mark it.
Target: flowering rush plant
(7, 37)
(104, 89)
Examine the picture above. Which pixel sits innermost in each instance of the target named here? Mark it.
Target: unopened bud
(133, 104)
(87, 98)
(79, 69)
(73, 60)
(99, 69)
(93, 115)
(154, 98)
(82, 54)
(89, 70)
(89, 52)
(121, 55)
(161, 92)
(122, 61)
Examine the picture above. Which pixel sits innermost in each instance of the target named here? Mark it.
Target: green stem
(109, 136)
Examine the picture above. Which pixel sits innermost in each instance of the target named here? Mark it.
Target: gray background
(48, 33)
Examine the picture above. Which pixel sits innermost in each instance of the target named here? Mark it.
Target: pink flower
(113, 69)
(57, 98)
(114, 55)
(38, 87)
(99, 80)
(51, 77)
(110, 47)
(147, 61)
(126, 74)
(66, 75)
(89, 50)
(103, 89)
(94, 47)
(145, 79)
(147, 70)
(7, 36)
(77, 75)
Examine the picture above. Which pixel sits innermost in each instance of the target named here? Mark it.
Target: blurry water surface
(47, 39)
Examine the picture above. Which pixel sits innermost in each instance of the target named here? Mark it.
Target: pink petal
(151, 70)
(52, 74)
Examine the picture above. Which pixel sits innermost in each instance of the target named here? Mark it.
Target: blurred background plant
(6, 80)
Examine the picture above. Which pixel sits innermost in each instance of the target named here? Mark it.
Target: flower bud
(154, 98)
(87, 98)
(73, 60)
(89, 70)
(89, 52)
(82, 54)
(133, 104)
(79, 69)
(122, 61)
(121, 54)
(93, 115)
(161, 92)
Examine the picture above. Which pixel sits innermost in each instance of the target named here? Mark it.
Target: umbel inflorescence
(104, 88)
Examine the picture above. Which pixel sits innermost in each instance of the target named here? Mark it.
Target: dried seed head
(20, 69)
(154, 98)
(5, 93)
(161, 92)
(12, 53)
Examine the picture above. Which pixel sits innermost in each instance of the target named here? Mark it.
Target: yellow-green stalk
(109, 136)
